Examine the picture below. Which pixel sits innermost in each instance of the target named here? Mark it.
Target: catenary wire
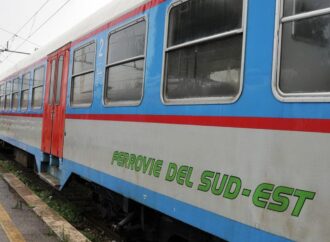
(20, 37)
(35, 14)
(23, 26)
(43, 24)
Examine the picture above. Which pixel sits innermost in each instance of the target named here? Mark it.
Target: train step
(53, 181)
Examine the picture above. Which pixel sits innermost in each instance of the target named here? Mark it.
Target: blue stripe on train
(257, 99)
(215, 224)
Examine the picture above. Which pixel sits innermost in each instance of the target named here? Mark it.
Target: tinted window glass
(206, 70)
(38, 78)
(196, 19)
(25, 91)
(8, 87)
(15, 94)
(305, 43)
(52, 82)
(8, 102)
(126, 82)
(82, 89)
(127, 43)
(16, 83)
(2, 89)
(24, 99)
(59, 80)
(26, 81)
(2, 97)
(292, 7)
(37, 97)
(15, 101)
(83, 75)
(2, 102)
(84, 59)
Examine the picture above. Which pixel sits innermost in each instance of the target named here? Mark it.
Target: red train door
(55, 101)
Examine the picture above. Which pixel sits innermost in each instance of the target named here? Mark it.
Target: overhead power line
(50, 17)
(20, 37)
(35, 14)
(40, 26)
(22, 27)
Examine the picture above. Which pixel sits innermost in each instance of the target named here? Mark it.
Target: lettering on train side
(181, 174)
(225, 186)
(278, 198)
(137, 163)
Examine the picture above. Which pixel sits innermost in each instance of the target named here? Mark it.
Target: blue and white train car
(213, 112)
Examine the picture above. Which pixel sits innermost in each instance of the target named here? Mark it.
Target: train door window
(52, 80)
(59, 80)
(37, 87)
(25, 89)
(8, 96)
(83, 75)
(204, 51)
(2, 96)
(125, 65)
(15, 94)
(303, 52)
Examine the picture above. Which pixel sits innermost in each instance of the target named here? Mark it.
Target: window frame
(35, 87)
(83, 73)
(52, 80)
(278, 36)
(3, 95)
(10, 95)
(27, 89)
(203, 100)
(13, 92)
(59, 80)
(117, 63)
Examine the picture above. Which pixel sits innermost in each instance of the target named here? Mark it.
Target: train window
(25, 89)
(52, 80)
(59, 80)
(2, 95)
(292, 7)
(37, 87)
(15, 94)
(304, 42)
(204, 52)
(83, 75)
(8, 96)
(125, 65)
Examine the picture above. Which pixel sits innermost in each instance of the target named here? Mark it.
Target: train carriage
(213, 112)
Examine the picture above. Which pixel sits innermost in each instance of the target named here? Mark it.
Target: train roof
(100, 18)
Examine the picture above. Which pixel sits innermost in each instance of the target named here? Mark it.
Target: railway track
(75, 203)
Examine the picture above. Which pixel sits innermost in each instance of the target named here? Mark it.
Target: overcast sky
(16, 13)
